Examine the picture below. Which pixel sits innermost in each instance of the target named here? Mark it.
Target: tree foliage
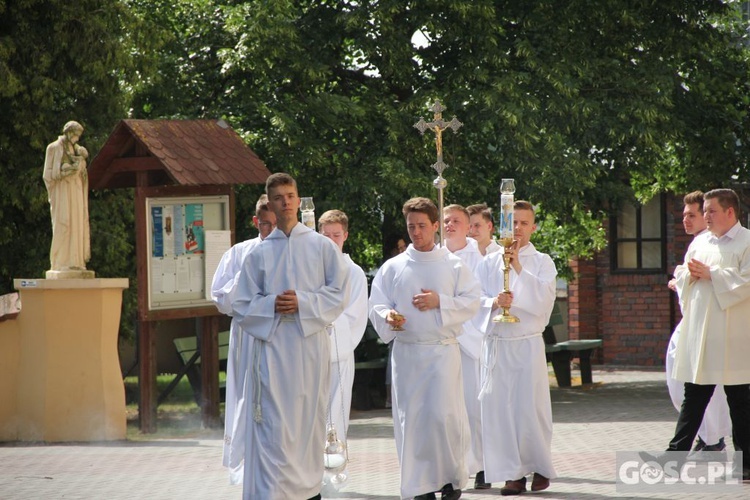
(60, 61)
(187, 82)
(583, 103)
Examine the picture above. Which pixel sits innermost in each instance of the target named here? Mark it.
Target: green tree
(584, 103)
(60, 61)
(187, 81)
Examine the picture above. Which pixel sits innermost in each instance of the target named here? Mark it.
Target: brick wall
(634, 314)
(636, 318)
(583, 301)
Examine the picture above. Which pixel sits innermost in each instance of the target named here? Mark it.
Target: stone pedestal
(9, 354)
(69, 382)
(83, 274)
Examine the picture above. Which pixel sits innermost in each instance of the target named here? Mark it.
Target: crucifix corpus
(438, 125)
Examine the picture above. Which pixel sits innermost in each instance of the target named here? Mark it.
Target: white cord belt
(258, 345)
(489, 357)
(404, 340)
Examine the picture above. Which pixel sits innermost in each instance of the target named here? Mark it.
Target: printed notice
(217, 243)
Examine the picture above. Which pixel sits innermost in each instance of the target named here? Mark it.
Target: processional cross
(438, 125)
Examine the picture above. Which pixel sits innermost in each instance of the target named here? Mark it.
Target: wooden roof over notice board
(175, 152)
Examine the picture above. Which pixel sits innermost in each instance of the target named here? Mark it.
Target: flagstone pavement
(624, 410)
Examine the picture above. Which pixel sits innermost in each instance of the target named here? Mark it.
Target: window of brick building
(638, 237)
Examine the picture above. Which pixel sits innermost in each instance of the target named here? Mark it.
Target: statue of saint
(67, 184)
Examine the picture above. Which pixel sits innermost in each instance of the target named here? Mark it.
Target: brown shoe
(539, 483)
(514, 487)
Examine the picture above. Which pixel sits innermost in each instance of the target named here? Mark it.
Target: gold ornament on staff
(437, 125)
(507, 188)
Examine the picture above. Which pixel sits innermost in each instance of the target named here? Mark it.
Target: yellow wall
(69, 385)
(10, 348)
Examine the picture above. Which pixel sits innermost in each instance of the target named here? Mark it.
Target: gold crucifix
(438, 125)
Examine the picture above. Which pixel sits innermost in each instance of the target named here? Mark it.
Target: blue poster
(157, 245)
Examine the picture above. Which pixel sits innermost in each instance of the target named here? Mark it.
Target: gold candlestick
(507, 188)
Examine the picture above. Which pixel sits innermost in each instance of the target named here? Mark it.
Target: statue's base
(60, 378)
(78, 274)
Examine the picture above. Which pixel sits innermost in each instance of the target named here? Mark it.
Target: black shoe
(426, 496)
(713, 447)
(670, 462)
(699, 444)
(664, 457)
(659, 458)
(448, 493)
(479, 483)
(316, 497)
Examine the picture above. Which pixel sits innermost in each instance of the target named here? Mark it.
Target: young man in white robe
(481, 228)
(348, 328)
(515, 399)
(225, 280)
(291, 286)
(429, 293)
(456, 229)
(714, 346)
(716, 423)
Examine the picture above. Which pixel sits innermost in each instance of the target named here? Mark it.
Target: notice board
(184, 234)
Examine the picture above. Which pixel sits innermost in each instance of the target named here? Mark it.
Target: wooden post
(210, 372)
(146, 377)
(146, 341)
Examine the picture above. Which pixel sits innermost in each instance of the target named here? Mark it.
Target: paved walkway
(624, 410)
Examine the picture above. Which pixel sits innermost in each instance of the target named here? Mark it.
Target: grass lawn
(177, 417)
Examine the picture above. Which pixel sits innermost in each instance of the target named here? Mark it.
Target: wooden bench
(187, 349)
(369, 377)
(561, 353)
(373, 364)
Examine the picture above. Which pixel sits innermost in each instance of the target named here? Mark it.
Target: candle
(507, 188)
(308, 212)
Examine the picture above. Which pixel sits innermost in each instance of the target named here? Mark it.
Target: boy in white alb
(347, 329)
(716, 423)
(291, 287)
(429, 293)
(516, 405)
(481, 227)
(225, 279)
(455, 229)
(714, 346)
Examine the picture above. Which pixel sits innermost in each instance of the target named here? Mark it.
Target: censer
(335, 453)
